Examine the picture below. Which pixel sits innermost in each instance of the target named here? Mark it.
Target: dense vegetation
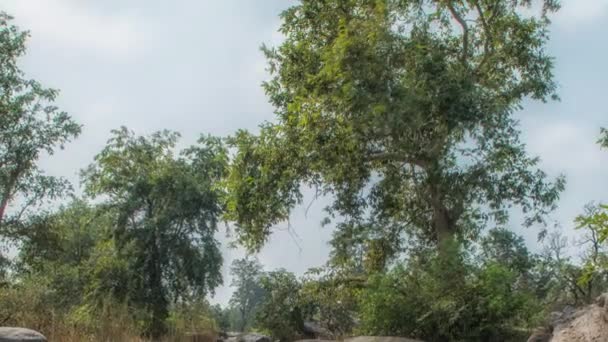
(401, 112)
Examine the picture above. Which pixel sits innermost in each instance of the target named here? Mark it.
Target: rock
(8, 334)
(314, 330)
(200, 337)
(250, 337)
(379, 339)
(601, 300)
(541, 334)
(587, 324)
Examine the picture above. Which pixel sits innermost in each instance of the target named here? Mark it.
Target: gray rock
(315, 330)
(250, 337)
(380, 339)
(541, 334)
(8, 334)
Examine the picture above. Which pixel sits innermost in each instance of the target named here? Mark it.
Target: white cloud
(581, 12)
(69, 24)
(567, 146)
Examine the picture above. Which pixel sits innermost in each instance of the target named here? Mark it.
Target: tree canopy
(403, 112)
(166, 210)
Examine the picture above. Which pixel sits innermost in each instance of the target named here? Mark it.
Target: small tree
(248, 293)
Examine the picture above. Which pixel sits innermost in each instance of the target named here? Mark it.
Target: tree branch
(486, 43)
(393, 156)
(465, 30)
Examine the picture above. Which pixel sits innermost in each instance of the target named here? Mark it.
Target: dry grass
(32, 307)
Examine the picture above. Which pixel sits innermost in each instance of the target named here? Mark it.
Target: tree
(166, 211)
(595, 223)
(403, 111)
(280, 313)
(59, 246)
(330, 296)
(29, 125)
(506, 248)
(248, 293)
(221, 317)
(65, 237)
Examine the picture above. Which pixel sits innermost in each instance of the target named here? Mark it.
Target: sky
(195, 66)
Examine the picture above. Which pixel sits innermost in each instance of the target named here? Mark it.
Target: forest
(401, 112)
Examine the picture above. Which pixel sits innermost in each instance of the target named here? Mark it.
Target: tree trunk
(442, 223)
(157, 300)
(444, 232)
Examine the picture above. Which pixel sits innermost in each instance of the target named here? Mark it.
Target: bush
(447, 299)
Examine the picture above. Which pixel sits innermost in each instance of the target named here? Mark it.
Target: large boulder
(587, 324)
(379, 339)
(8, 334)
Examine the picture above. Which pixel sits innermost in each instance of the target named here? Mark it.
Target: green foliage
(330, 297)
(502, 246)
(593, 275)
(402, 111)
(165, 212)
(248, 292)
(595, 221)
(29, 125)
(222, 317)
(281, 314)
(193, 316)
(603, 141)
(439, 299)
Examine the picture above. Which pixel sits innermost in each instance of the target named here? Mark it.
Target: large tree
(166, 214)
(403, 111)
(30, 125)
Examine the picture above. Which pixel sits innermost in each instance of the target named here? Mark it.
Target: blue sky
(195, 67)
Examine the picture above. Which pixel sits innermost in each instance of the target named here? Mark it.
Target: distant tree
(566, 287)
(166, 210)
(30, 125)
(502, 246)
(280, 313)
(221, 317)
(330, 299)
(248, 293)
